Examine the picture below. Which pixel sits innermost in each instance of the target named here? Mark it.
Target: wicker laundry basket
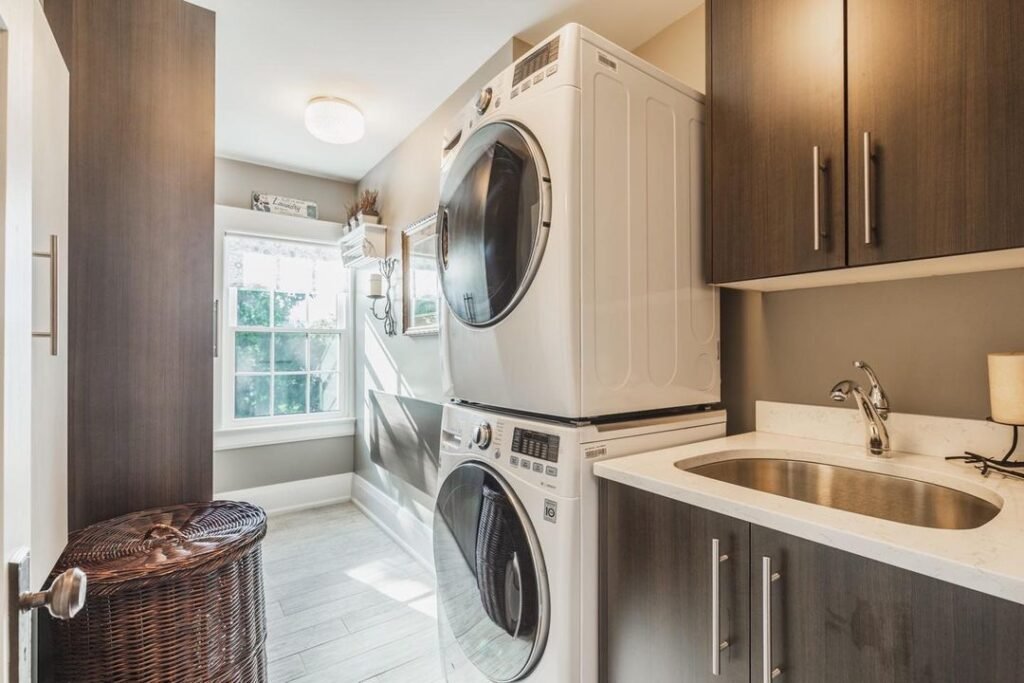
(174, 594)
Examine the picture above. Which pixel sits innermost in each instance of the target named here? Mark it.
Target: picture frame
(421, 286)
(286, 206)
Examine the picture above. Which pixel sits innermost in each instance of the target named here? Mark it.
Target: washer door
(491, 581)
(493, 221)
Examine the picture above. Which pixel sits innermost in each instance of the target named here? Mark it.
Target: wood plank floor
(345, 603)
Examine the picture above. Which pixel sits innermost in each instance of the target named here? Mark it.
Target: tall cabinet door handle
(717, 644)
(867, 187)
(54, 294)
(819, 169)
(767, 579)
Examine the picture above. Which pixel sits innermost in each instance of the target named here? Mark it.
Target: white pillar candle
(1006, 386)
(376, 285)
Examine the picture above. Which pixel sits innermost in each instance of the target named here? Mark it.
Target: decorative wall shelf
(365, 245)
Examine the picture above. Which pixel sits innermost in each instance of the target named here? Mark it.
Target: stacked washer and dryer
(577, 328)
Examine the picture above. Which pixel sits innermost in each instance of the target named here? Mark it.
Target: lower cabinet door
(833, 616)
(658, 591)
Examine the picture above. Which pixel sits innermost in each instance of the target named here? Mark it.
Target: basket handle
(166, 532)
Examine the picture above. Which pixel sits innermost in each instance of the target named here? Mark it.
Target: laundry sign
(272, 203)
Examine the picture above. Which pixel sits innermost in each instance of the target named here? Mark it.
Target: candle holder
(387, 271)
(1002, 465)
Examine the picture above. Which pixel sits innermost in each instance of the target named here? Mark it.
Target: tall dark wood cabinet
(937, 86)
(141, 236)
(656, 588)
(777, 159)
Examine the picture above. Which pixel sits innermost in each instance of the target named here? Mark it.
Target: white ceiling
(395, 59)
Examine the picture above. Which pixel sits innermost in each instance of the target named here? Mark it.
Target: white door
(49, 302)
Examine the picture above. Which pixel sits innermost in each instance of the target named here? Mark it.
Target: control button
(551, 471)
(483, 100)
(513, 460)
(550, 511)
(552, 70)
(525, 464)
(538, 78)
(525, 86)
(497, 103)
(482, 435)
(515, 93)
(538, 467)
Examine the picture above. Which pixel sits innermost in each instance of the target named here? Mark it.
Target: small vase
(369, 219)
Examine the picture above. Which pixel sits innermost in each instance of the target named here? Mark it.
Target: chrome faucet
(874, 406)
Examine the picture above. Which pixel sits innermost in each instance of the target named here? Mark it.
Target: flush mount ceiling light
(334, 120)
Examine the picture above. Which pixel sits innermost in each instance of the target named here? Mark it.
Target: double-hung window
(287, 357)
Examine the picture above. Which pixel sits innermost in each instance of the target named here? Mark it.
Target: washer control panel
(535, 444)
(482, 435)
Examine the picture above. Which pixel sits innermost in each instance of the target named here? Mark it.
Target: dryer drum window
(493, 220)
(491, 580)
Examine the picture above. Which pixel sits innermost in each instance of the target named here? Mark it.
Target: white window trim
(231, 433)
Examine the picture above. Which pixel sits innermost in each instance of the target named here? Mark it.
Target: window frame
(232, 432)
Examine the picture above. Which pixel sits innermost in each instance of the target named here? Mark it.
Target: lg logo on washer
(550, 511)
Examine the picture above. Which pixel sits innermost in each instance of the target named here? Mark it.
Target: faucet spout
(877, 441)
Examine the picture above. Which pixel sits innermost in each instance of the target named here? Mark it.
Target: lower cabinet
(828, 615)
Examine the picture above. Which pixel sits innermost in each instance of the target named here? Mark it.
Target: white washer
(570, 228)
(516, 539)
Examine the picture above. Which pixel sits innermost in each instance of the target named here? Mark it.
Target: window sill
(268, 435)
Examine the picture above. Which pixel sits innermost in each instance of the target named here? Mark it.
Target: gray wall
(927, 338)
(237, 180)
(408, 180)
(245, 468)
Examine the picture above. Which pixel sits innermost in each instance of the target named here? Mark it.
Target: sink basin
(885, 496)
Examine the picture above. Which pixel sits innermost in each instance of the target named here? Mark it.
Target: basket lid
(150, 546)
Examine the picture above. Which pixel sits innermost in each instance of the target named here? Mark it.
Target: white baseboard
(414, 535)
(296, 495)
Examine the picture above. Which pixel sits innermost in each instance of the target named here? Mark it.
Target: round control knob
(483, 100)
(482, 435)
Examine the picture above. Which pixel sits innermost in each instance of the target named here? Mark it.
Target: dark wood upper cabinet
(140, 239)
(775, 93)
(938, 85)
(656, 590)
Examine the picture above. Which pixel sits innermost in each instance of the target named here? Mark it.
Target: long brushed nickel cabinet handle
(819, 168)
(717, 645)
(867, 187)
(767, 579)
(54, 294)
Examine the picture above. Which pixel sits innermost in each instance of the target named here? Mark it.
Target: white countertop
(989, 558)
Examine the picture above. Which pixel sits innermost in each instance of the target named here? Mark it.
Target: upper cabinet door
(935, 111)
(777, 137)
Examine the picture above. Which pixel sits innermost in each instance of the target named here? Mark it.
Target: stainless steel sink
(884, 496)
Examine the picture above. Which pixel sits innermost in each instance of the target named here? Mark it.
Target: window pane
(289, 309)
(253, 308)
(252, 352)
(252, 396)
(289, 352)
(323, 312)
(323, 352)
(323, 393)
(289, 394)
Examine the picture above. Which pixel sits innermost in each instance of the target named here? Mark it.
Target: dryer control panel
(547, 455)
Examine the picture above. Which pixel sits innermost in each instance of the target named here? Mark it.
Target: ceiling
(395, 59)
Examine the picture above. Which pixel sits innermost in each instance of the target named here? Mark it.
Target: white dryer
(570, 229)
(516, 536)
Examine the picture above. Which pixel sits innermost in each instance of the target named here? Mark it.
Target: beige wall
(237, 180)
(927, 338)
(679, 49)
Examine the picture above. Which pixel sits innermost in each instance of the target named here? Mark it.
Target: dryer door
(491, 582)
(493, 222)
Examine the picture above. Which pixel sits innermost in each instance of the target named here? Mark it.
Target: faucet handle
(877, 395)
